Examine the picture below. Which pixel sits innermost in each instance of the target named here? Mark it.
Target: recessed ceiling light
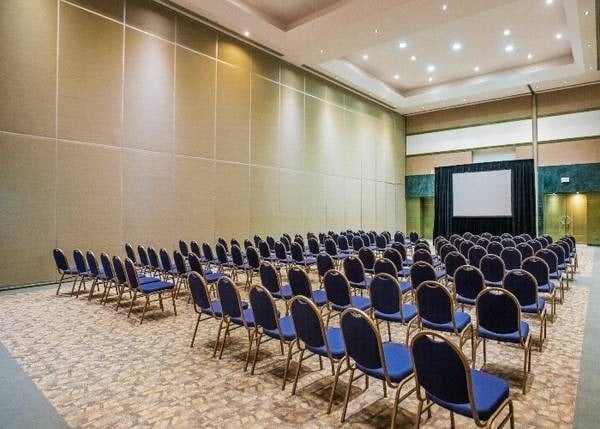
(444, 6)
(589, 45)
(365, 56)
(430, 79)
(430, 68)
(591, 68)
(413, 58)
(507, 32)
(476, 68)
(509, 48)
(558, 36)
(549, 1)
(529, 56)
(464, 99)
(402, 45)
(396, 77)
(586, 13)
(376, 31)
(322, 51)
(247, 33)
(456, 46)
(566, 81)
(422, 107)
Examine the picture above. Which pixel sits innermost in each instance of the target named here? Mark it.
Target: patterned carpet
(100, 369)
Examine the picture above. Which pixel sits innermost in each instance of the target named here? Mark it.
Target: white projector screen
(482, 194)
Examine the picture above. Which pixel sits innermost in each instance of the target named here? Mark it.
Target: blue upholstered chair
(339, 296)
(511, 257)
(367, 257)
(419, 272)
(525, 249)
(453, 261)
(299, 257)
(539, 269)
(271, 281)
(443, 377)
(355, 273)
(131, 255)
(62, 266)
(492, 268)
(494, 248)
(384, 265)
(301, 286)
(183, 248)
(468, 283)
(210, 277)
(553, 272)
(324, 263)
(203, 305)
(396, 258)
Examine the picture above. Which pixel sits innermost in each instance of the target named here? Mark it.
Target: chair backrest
(381, 241)
(434, 302)
(247, 243)
(422, 246)
(538, 268)
(264, 250)
(92, 262)
(519, 239)
(511, 257)
(508, 242)
(385, 294)
(475, 238)
(299, 282)
(495, 248)
(324, 263)
(336, 287)
(195, 248)
(183, 248)
(468, 281)
(236, 255)
(413, 236)
(396, 258)
(421, 271)
(153, 258)
(60, 259)
(543, 242)
(367, 257)
(120, 275)
(199, 290)
(559, 251)
(525, 249)
(475, 254)
(257, 240)
(300, 241)
(297, 252)
(526, 236)
(363, 343)
(234, 242)
(445, 249)
(143, 256)
(221, 253)
(422, 255)
(280, 251)
(467, 235)
(535, 245)
(223, 242)
(179, 262)
(207, 251)
(106, 266)
(331, 247)
(483, 242)
(399, 237)
(271, 242)
(441, 368)
(263, 308)
(313, 246)
(131, 273)
(383, 265)
(366, 238)
(129, 252)
(506, 235)
(165, 259)
(195, 264)
(354, 269)
(79, 261)
(549, 258)
(268, 277)
(498, 311)
(548, 238)
(565, 246)
(308, 322)
(357, 243)
(453, 261)
(465, 246)
(486, 235)
(401, 249)
(522, 285)
(492, 267)
(231, 303)
(253, 258)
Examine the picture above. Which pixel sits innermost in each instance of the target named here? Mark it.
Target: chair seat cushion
(145, 280)
(493, 283)
(462, 320)
(408, 313)
(71, 271)
(309, 260)
(489, 391)
(397, 360)
(286, 331)
(440, 274)
(248, 316)
(511, 337)
(361, 285)
(405, 286)
(157, 286)
(465, 300)
(555, 275)
(546, 288)
(319, 297)
(405, 271)
(212, 277)
(285, 292)
(535, 307)
(215, 308)
(336, 344)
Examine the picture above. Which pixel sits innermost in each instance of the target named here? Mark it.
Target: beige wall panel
(396, 165)
(524, 152)
(369, 205)
(380, 206)
(314, 202)
(196, 36)
(264, 145)
(352, 159)
(315, 131)
(390, 207)
(352, 203)
(569, 100)
(194, 189)
(400, 208)
(27, 186)
(234, 52)
(149, 216)
(233, 113)
(111, 8)
(151, 17)
(194, 104)
(291, 131)
(28, 66)
(334, 203)
(334, 149)
(291, 201)
(367, 134)
(148, 92)
(265, 65)
(264, 201)
(424, 164)
(315, 86)
(334, 94)
(383, 152)
(88, 213)
(475, 114)
(232, 201)
(89, 79)
(292, 76)
(570, 152)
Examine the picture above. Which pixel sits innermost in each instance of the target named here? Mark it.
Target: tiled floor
(99, 369)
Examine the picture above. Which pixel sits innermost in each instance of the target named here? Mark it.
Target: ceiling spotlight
(558, 36)
(566, 81)
(247, 33)
(444, 6)
(529, 56)
(589, 45)
(396, 76)
(509, 48)
(376, 31)
(464, 99)
(413, 58)
(591, 68)
(549, 1)
(456, 47)
(507, 32)
(402, 45)
(476, 68)
(365, 56)
(322, 51)
(430, 79)
(586, 13)
(430, 69)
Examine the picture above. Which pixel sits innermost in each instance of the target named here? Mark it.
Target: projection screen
(482, 194)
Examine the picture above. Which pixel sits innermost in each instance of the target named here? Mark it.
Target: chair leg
(132, 302)
(452, 423)
(248, 353)
(419, 413)
(298, 371)
(173, 296)
(162, 307)
(525, 353)
(347, 397)
(389, 329)
(60, 283)
(145, 308)
(258, 336)
(74, 283)
(335, 382)
(287, 364)
(218, 337)
(225, 335)
(195, 330)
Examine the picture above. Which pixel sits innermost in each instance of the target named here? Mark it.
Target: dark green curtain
(523, 201)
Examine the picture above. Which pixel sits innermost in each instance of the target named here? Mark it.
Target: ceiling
(419, 55)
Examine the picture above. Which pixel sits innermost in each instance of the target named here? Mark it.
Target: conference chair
(384, 265)
(422, 255)
(282, 258)
(62, 266)
(97, 275)
(389, 362)
(355, 273)
(155, 268)
(271, 242)
(495, 248)
(562, 265)
(395, 256)
(542, 241)
(144, 259)
(209, 257)
(570, 265)
(468, 283)
(271, 281)
(313, 247)
(539, 269)
(399, 237)
(357, 243)
(483, 242)
(195, 248)
(253, 260)
(511, 258)
(525, 249)
(332, 249)
(465, 246)
(518, 239)
(299, 257)
(210, 277)
(453, 261)
(535, 245)
(475, 254)
(131, 255)
(300, 285)
(495, 238)
(265, 252)
(407, 262)
(508, 242)
(109, 275)
(445, 249)
(493, 270)
(203, 305)
(443, 377)
(343, 244)
(381, 243)
(420, 272)
(324, 263)
(367, 257)
(339, 297)
(183, 248)
(486, 235)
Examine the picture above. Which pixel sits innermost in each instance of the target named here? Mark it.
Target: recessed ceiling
(420, 55)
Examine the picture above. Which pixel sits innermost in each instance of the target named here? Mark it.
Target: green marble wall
(420, 186)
